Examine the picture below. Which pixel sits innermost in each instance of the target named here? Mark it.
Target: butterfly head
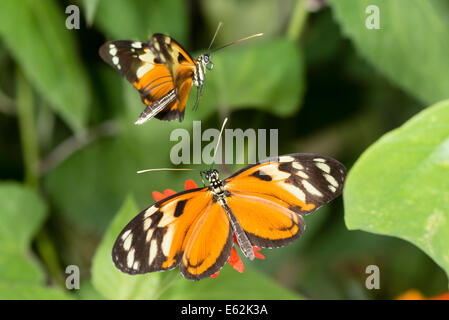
(211, 175)
(205, 63)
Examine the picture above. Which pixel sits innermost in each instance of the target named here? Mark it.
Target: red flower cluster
(234, 259)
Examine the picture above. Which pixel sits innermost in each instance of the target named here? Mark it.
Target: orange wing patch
(268, 223)
(208, 244)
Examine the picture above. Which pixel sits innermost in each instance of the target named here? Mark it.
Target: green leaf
(399, 186)
(229, 284)
(411, 46)
(46, 51)
(22, 213)
(17, 267)
(138, 19)
(106, 278)
(90, 9)
(12, 291)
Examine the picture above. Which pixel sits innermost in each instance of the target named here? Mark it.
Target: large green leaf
(411, 46)
(138, 19)
(46, 51)
(399, 186)
(22, 212)
(107, 279)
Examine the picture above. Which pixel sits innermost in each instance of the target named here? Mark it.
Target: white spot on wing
(331, 180)
(127, 243)
(147, 224)
(115, 60)
(136, 265)
(143, 69)
(324, 167)
(149, 234)
(286, 159)
(137, 45)
(167, 240)
(332, 188)
(148, 56)
(302, 174)
(297, 192)
(153, 251)
(311, 189)
(125, 235)
(319, 160)
(297, 165)
(151, 210)
(130, 258)
(113, 51)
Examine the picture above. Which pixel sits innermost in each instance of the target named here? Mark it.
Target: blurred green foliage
(69, 151)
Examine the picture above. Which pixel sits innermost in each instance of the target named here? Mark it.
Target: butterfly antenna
(219, 137)
(165, 169)
(215, 35)
(237, 41)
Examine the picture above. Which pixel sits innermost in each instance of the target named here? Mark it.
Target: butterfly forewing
(161, 70)
(186, 228)
(270, 198)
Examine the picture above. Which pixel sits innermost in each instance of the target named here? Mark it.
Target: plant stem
(27, 129)
(30, 150)
(297, 20)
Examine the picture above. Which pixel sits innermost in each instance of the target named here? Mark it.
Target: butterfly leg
(198, 96)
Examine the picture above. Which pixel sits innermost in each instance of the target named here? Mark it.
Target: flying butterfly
(263, 205)
(162, 71)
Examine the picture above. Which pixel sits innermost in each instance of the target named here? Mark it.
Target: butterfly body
(263, 205)
(161, 70)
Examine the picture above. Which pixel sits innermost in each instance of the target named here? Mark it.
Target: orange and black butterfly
(163, 72)
(263, 205)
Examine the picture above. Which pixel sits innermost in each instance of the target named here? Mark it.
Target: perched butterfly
(262, 204)
(163, 72)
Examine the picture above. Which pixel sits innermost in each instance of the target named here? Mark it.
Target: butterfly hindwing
(270, 198)
(176, 230)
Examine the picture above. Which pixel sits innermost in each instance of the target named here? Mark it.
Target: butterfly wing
(270, 198)
(182, 68)
(187, 228)
(142, 66)
(161, 70)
